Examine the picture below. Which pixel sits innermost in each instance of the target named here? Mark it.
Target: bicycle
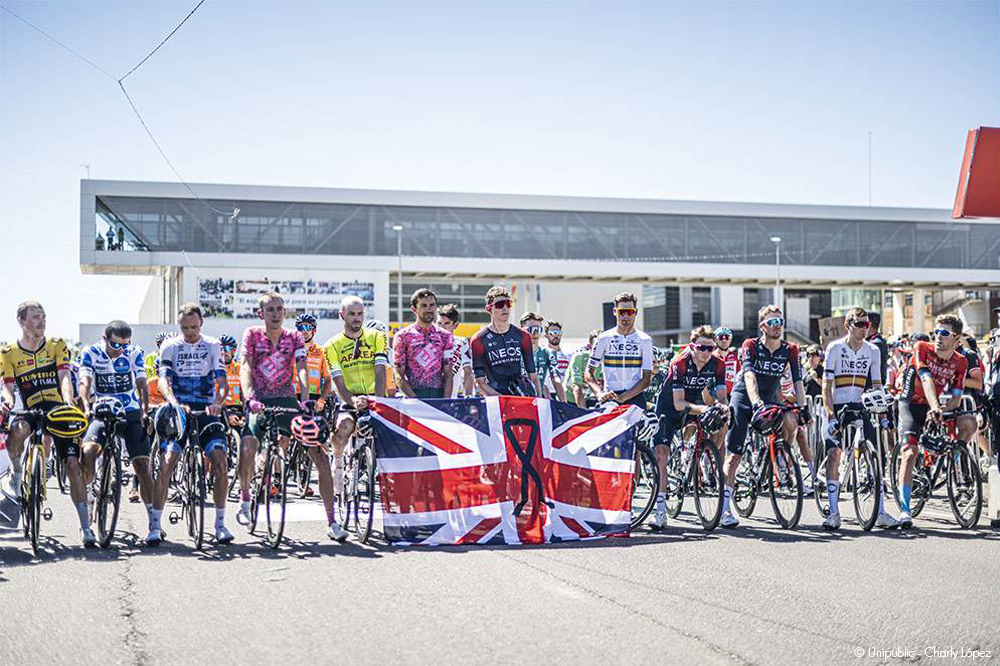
(108, 480)
(193, 483)
(769, 466)
(33, 491)
(937, 453)
(695, 465)
(645, 480)
(859, 470)
(356, 504)
(274, 472)
(232, 413)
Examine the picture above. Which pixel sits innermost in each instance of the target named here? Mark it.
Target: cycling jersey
(36, 373)
(461, 358)
(851, 371)
(317, 369)
(562, 364)
(355, 359)
(420, 355)
(623, 357)
(947, 375)
(235, 396)
(545, 364)
(578, 367)
(152, 364)
(272, 367)
(731, 359)
(686, 376)
(768, 367)
(114, 377)
(191, 368)
(503, 359)
(883, 352)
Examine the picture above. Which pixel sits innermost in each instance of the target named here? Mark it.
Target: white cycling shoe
(832, 522)
(223, 535)
(887, 521)
(659, 521)
(154, 537)
(243, 515)
(337, 533)
(89, 540)
(905, 520)
(12, 486)
(729, 521)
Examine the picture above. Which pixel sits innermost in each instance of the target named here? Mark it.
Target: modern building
(689, 262)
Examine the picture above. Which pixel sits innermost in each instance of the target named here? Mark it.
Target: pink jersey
(419, 355)
(272, 367)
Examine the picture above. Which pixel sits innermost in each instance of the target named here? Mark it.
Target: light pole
(398, 228)
(777, 272)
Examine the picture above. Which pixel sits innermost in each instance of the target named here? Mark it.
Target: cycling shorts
(911, 419)
(736, 438)
(253, 427)
(133, 432)
(211, 432)
(847, 412)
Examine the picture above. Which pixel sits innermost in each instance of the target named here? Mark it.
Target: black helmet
(227, 341)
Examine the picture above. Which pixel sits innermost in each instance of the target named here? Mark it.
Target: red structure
(978, 192)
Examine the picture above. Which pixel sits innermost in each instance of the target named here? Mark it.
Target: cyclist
(229, 346)
(422, 352)
(546, 365)
(935, 369)
(661, 375)
(731, 357)
(626, 356)
(38, 367)
(152, 365)
(463, 383)
(502, 360)
(358, 359)
(876, 338)
(813, 381)
(114, 367)
(763, 362)
(317, 369)
(974, 381)
(192, 377)
(787, 393)
(553, 335)
(582, 394)
(694, 375)
(852, 365)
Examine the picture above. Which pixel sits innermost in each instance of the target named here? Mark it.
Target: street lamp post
(398, 228)
(777, 272)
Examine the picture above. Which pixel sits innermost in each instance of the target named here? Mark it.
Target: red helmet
(310, 430)
(767, 419)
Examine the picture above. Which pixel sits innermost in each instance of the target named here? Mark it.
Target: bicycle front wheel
(786, 487)
(675, 483)
(866, 483)
(745, 486)
(198, 487)
(965, 487)
(709, 485)
(645, 485)
(109, 494)
(36, 496)
(364, 512)
(920, 487)
(277, 498)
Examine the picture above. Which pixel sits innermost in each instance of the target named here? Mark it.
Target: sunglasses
(555, 331)
(119, 345)
(305, 327)
(534, 329)
(943, 332)
(501, 305)
(774, 322)
(704, 348)
(723, 337)
(626, 312)
(861, 324)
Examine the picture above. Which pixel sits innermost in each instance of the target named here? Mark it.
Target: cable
(53, 39)
(191, 13)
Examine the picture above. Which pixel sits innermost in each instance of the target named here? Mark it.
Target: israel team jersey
(192, 368)
(114, 377)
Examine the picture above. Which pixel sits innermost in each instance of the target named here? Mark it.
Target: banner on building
(229, 298)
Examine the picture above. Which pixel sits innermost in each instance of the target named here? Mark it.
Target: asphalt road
(756, 595)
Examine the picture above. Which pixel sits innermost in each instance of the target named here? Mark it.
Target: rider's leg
(322, 465)
(217, 456)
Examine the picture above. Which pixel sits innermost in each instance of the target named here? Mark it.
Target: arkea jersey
(191, 368)
(623, 357)
(946, 374)
(851, 371)
(768, 367)
(686, 376)
(114, 377)
(502, 358)
(355, 359)
(35, 373)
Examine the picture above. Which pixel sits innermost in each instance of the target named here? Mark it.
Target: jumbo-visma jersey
(36, 373)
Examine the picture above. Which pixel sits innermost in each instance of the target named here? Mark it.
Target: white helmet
(377, 325)
(648, 427)
(876, 401)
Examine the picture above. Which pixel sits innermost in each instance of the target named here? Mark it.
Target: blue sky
(749, 101)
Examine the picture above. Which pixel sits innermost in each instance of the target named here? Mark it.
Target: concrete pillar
(686, 305)
(919, 318)
(730, 300)
(898, 323)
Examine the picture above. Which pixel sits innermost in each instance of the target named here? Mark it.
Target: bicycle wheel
(645, 485)
(709, 485)
(920, 487)
(364, 513)
(786, 487)
(745, 488)
(36, 495)
(278, 502)
(866, 483)
(342, 506)
(675, 483)
(965, 487)
(61, 475)
(109, 495)
(303, 474)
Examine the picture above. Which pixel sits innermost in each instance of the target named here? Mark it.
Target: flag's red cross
(477, 485)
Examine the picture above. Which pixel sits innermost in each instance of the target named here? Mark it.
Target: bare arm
(85, 383)
(642, 385)
(447, 380)
(403, 384)
(468, 381)
(484, 387)
(750, 378)
(560, 391)
(380, 381)
(66, 385)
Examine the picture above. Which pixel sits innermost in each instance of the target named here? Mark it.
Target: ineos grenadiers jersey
(851, 371)
(191, 368)
(623, 357)
(114, 377)
(502, 358)
(767, 368)
(685, 376)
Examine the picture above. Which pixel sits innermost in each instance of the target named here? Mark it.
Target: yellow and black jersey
(36, 373)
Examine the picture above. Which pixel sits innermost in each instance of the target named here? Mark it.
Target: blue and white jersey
(191, 368)
(114, 376)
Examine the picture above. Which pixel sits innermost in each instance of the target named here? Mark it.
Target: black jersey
(767, 367)
(503, 359)
(685, 375)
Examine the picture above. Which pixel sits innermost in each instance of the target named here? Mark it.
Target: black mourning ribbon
(524, 455)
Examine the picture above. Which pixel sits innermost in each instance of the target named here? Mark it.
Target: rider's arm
(142, 387)
(246, 379)
(85, 382)
(341, 387)
(974, 380)
(647, 376)
(166, 390)
(221, 390)
(558, 385)
(380, 380)
(930, 391)
(302, 374)
(681, 405)
(7, 391)
(828, 396)
(796, 371)
(800, 394)
(750, 379)
(468, 381)
(66, 385)
(596, 358)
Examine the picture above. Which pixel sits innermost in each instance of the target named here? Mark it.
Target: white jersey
(623, 358)
(192, 368)
(461, 358)
(562, 364)
(114, 377)
(850, 370)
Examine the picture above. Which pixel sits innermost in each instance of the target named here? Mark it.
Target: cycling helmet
(767, 419)
(170, 423)
(648, 427)
(377, 325)
(227, 341)
(109, 408)
(161, 336)
(723, 330)
(920, 337)
(65, 421)
(876, 401)
(305, 318)
(310, 430)
(714, 418)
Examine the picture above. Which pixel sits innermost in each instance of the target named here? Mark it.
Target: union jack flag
(503, 470)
